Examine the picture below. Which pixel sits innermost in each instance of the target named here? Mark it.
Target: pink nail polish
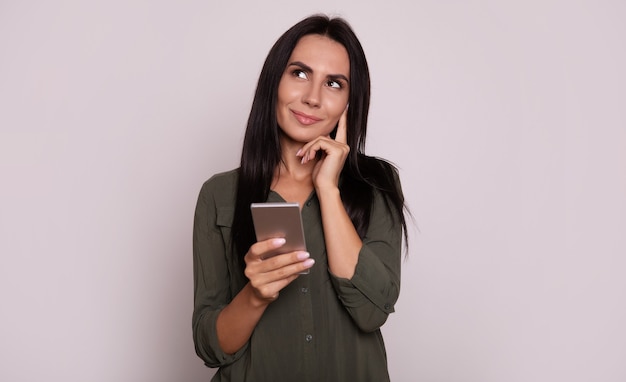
(303, 255)
(308, 263)
(279, 241)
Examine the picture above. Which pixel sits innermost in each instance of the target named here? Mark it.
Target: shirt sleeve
(212, 283)
(369, 296)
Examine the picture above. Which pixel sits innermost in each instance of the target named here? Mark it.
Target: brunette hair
(261, 151)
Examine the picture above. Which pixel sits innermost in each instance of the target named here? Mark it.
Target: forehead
(322, 54)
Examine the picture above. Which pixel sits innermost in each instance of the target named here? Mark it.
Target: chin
(304, 135)
(300, 138)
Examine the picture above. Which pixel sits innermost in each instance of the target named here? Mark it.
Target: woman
(261, 319)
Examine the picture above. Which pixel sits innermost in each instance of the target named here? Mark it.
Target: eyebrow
(308, 69)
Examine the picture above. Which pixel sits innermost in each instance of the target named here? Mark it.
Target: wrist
(330, 190)
(254, 301)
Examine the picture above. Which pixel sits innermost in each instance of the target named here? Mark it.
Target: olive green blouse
(322, 327)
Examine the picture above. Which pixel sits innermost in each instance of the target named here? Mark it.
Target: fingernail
(298, 153)
(303, 158)
(308, 263)
(303, 255)
(279, 241)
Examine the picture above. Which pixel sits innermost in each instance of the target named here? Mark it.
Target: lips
(304, 118)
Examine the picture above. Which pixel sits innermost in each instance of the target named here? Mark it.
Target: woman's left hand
(333, 155)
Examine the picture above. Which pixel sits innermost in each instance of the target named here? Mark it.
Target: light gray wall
(507, 120)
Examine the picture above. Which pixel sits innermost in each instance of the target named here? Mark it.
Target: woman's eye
(334, 84)
(299, 73)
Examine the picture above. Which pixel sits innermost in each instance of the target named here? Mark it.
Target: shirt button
(387, 306)
(308, 338)
(308, 204)
(304, 290)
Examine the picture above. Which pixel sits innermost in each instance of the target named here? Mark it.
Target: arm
(236, 322)
(342, 241)
(222, 325)
(214, 284)
(370, 294)
(365, 272)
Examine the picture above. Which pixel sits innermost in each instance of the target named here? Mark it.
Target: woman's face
(313, 91)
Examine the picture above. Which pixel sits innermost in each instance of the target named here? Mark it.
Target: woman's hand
(269, 275)
(236, 322)
(333, 155)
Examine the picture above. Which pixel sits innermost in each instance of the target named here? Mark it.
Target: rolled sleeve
(214, 285)
(207, 344)
(371, 293)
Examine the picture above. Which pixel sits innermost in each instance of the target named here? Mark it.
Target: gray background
(506, 118)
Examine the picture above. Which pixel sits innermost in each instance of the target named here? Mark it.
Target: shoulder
(223, 179)
(221, 187)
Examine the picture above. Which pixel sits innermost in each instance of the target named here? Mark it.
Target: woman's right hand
(268, 276)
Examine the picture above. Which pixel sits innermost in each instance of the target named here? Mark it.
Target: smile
(305, 119)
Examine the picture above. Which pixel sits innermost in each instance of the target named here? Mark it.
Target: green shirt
(321, 327)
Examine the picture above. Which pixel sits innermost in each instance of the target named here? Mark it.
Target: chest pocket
(224, 220)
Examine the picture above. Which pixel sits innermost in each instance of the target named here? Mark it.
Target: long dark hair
(261, 151)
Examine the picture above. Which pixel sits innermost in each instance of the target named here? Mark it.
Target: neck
(291, 164)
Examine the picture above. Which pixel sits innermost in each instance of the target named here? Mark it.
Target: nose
(312, 95)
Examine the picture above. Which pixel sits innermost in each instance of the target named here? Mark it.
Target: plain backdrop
(507, 120)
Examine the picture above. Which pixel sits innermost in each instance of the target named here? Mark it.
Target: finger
(310, 150)
(260, 249)
(288, 271)
(342, 128)
(260, 264)
(278, 268)
(287, 259)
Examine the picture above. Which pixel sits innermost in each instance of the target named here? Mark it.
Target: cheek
(332, 121)
(287, 92)
(335, 109)
(282, 99)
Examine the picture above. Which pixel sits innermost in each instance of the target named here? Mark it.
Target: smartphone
(279, 220)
